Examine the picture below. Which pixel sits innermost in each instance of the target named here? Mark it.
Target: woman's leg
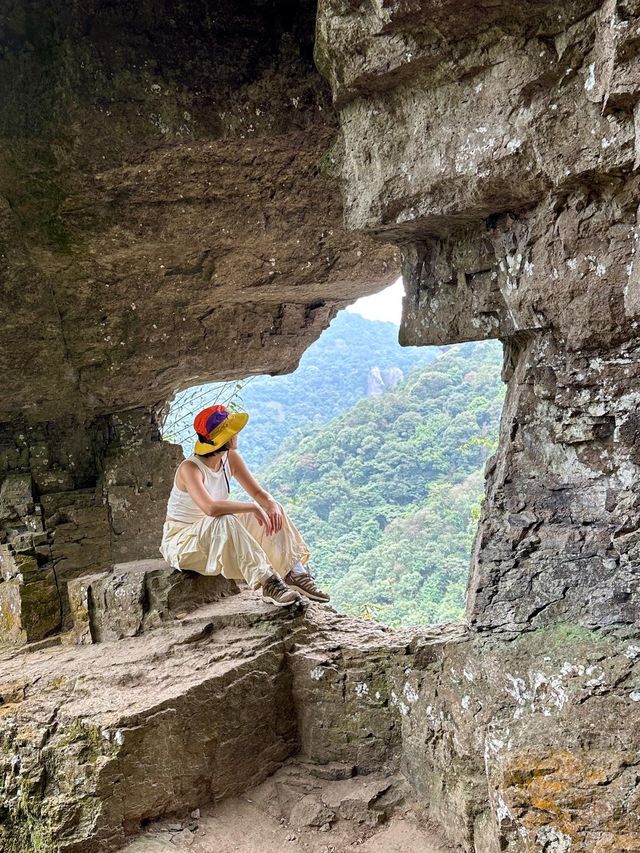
(288, 553)
(217, 545)
(283, 549)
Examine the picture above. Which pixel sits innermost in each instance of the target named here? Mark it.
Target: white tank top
(181, 505)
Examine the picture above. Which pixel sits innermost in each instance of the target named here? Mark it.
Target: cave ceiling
(166, 200)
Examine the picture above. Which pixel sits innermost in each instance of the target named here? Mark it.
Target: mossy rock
(24, 827)
(564, 636)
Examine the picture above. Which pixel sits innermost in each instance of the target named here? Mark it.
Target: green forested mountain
(334, 373)
(387, 494)
(417, 572)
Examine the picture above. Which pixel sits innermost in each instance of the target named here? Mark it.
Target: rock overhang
(166, 218)
(489, 124)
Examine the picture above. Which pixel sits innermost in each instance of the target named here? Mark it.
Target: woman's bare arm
(192, 478)
(253, 488)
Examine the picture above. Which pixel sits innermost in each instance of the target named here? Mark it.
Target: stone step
(100, 738)
(131, 598)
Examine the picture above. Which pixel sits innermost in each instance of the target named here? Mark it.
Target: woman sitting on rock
(206, 532)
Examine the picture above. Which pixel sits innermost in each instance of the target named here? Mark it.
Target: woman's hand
(263, 518)
(273, 511)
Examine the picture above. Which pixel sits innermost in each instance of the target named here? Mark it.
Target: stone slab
(130, 598)
(95, 739)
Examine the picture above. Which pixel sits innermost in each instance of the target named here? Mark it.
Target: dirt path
(237, 826)
(297, 809)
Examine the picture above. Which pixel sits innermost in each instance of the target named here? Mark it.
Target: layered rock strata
(498, 147)
(520, 746)
(75, 498)
(196, 710)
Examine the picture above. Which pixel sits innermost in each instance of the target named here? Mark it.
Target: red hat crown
(209, 419)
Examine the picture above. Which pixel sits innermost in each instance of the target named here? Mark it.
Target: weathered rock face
(75, 498)
(525, 745)
(131, 598)
(133, 727)
(498, 147)
(214, 724)
(378, 381)
(165, 218)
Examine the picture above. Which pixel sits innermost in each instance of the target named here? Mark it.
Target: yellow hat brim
(228, 428)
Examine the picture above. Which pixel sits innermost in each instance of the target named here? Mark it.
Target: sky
(385, 305)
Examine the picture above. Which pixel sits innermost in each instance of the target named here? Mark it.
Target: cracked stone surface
(501, 745)
(165, 163)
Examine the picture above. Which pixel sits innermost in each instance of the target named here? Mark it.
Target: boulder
(133, 597)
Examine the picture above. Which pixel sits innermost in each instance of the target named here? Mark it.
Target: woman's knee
(221, 522)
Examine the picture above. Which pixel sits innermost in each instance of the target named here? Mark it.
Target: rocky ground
(159, 702)
(167, 698)
(297, 810)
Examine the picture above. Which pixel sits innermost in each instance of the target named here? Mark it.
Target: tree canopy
(388, 493)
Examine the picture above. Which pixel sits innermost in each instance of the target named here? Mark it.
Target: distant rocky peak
(383, 379)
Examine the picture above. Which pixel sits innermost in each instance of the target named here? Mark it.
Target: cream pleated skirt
(235, 546)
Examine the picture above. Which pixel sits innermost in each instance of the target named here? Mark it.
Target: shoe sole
(306, 594)
(280, 603)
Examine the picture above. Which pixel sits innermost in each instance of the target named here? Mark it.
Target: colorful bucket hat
(214, 426)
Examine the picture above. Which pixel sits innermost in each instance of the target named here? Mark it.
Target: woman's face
(233, 442)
